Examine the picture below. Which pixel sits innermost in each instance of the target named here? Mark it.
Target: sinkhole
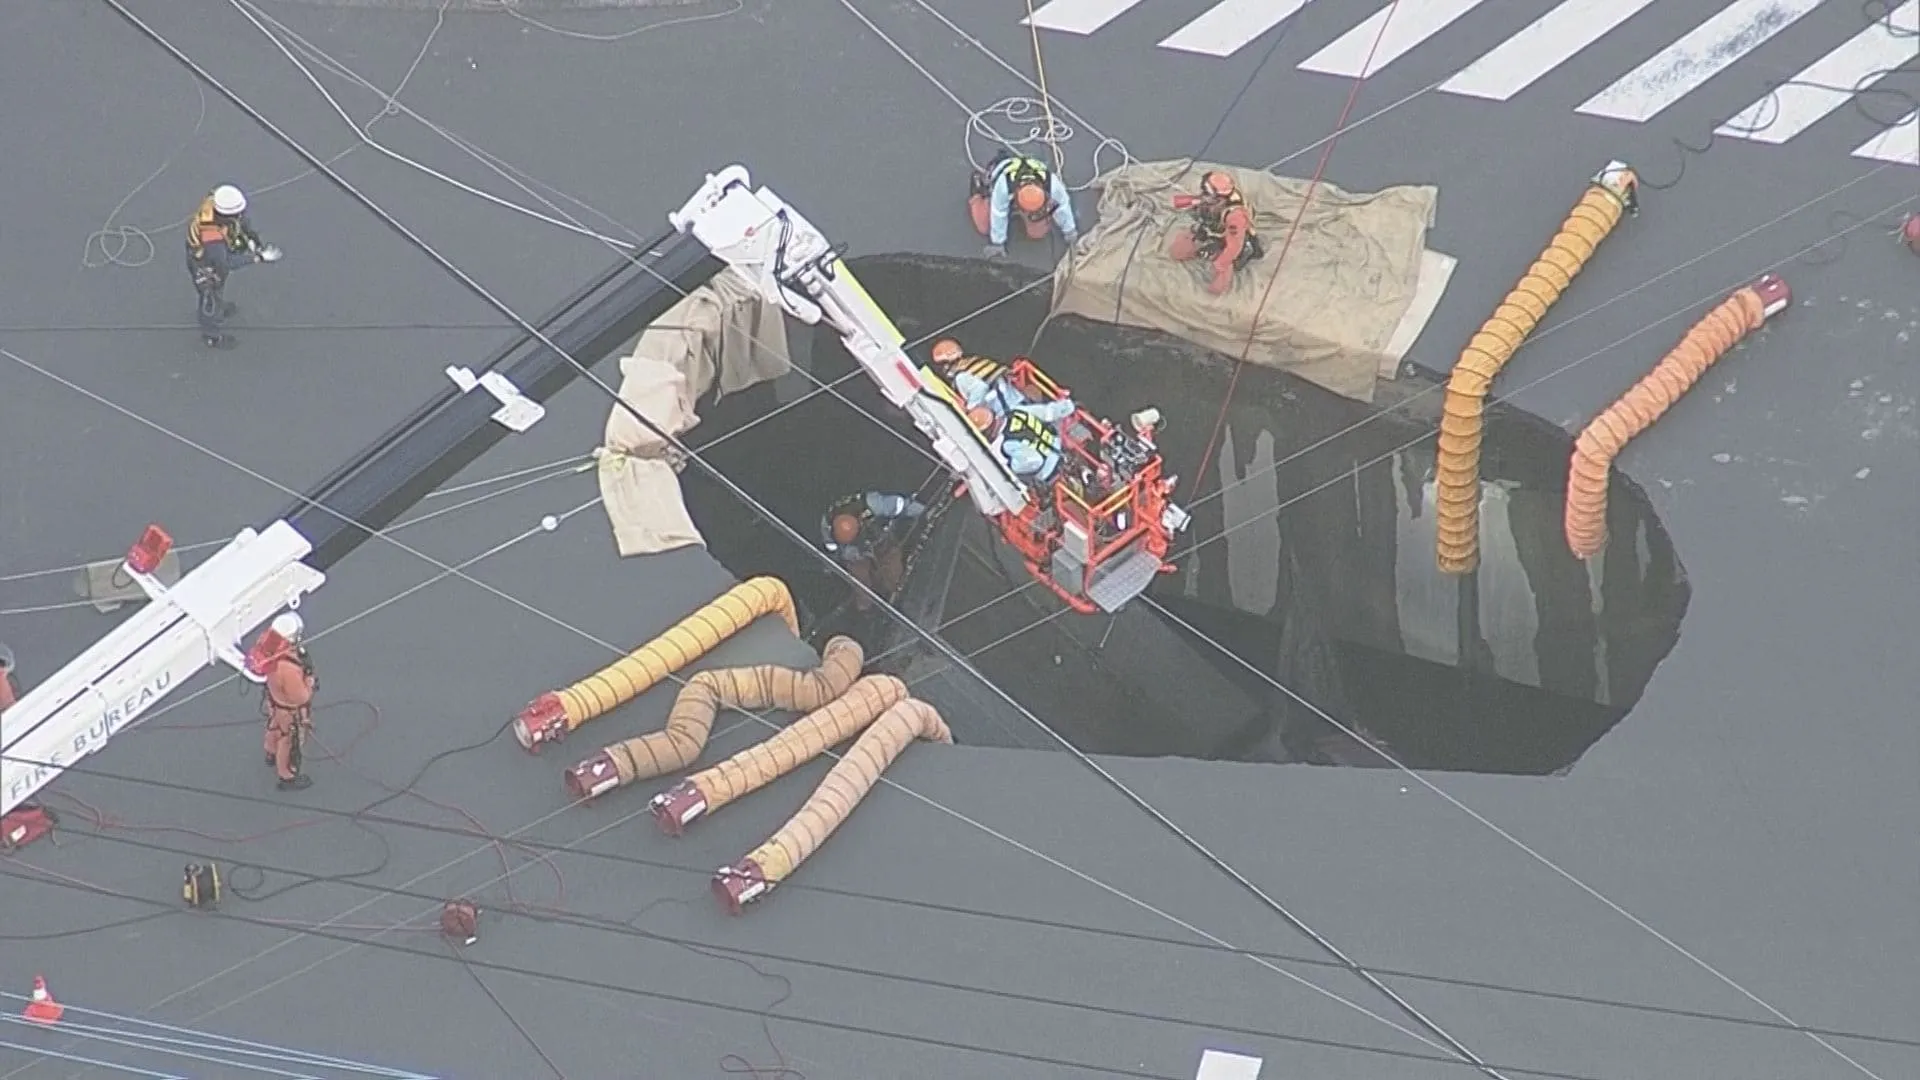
(1314, 566)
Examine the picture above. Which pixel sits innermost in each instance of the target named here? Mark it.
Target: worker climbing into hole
(1221, 231)
(220, 239)
(1014, 183)
(867, 533)
(287, 700)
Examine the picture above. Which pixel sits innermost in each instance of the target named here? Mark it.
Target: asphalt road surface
(1738, 852)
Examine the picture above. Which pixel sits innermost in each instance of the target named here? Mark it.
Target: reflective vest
(979, 367)
(1027, 170)
(1023, 426)
(1210, 226)
(207, 228)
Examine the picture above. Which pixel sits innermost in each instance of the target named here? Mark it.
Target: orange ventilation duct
(830, 804)
(553, 715)
(674, 747)
(1613, 191)
(759, 765)
(1593, 452)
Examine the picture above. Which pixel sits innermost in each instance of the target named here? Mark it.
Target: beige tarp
(1349, 277)
(722, 333)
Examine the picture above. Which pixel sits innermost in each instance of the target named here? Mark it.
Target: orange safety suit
(1222, 232)
(287, 701)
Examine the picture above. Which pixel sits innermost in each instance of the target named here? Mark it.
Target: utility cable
(748, 499)
(155, 1031)
(1293, 230)
(633, 992)
(560, 474)
(596, 925)
(109, 833)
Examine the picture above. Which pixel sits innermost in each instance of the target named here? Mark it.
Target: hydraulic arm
(201, 620)
(769, 244)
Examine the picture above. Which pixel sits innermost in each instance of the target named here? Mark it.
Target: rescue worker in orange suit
(864, 532)
(8, 694)
(1222, 230)
(1014, 183)
(287, 701)
(220, 239)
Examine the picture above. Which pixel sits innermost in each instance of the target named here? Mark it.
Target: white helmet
(229, 200)
(288, 625)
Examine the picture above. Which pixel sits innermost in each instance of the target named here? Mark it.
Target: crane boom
(1097, 554)
(790, 262)
(196, 623)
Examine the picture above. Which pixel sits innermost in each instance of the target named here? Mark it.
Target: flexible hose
(1610, 193)
(675, 746)
(1593, 452)
(761, 764)
(830, 804)
(554, 714)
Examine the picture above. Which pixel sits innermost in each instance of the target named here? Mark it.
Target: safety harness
(1023, 426)
(302, 714)
(1210, 227)
(1021, 170)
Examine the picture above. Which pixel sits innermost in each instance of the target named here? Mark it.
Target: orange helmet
(947, 351)
(846, 529)
(1031, 198)
(981, 418)
(1217, 184)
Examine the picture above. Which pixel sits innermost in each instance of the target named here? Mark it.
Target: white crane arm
(183, 629)
(790, 262)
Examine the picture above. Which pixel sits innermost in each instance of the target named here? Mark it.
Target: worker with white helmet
(287, 696)
(220, 238)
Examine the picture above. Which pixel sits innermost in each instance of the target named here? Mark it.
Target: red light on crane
(145, 557)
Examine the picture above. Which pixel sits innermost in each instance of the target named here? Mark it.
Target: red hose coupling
(593, 777)
(675, 808)
(741, 884)
(544, 721)
(1774, 295)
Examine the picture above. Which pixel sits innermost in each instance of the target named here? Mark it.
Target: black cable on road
(322, 167)
(582, 982)
(363, 818)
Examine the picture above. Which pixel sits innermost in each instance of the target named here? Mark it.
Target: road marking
(1220, 1065)
(1868, 56)
(1406, 28)
(1683, 66)
(1228, 26)
(1079, 16)
(1899, 144)
(1551, 40)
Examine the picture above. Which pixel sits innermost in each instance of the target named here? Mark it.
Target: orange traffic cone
(43, 1009)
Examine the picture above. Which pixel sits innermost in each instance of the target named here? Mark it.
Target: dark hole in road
(1518, 668)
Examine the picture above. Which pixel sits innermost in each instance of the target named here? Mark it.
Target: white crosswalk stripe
(1683, 66)
(1525, 56)
(1397, 29)
(1832, 81)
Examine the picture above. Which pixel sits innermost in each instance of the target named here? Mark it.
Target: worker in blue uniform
(1025, 432)
(865, 532)
(1014, 183)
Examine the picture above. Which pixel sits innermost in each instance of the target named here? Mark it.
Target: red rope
(1313, 185)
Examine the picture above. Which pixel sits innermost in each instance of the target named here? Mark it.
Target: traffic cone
(43, 1009)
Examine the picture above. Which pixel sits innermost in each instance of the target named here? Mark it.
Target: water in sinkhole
(1319, 575)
